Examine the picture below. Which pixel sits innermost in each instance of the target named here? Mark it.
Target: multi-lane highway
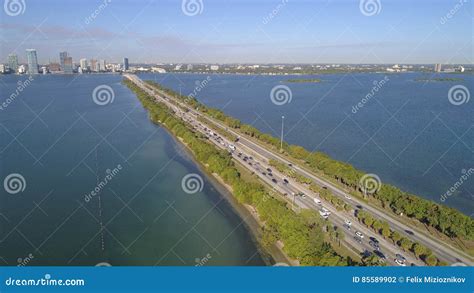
(255, 157)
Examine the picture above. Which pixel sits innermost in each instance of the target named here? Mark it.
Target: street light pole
(281, 140)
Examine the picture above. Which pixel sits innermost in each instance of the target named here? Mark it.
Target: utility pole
(281, 140)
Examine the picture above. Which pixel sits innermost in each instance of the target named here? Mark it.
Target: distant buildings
(189, 67)
(54, 67)
(214, 67)
(83, 64)
(3, 68)
(94, 65)
(32, 60)
(65, 62)
(437, 67)
(461, 69)
(102, 65)
(13, 62)
(125, 64)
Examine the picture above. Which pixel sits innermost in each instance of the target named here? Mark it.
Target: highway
(259, 163)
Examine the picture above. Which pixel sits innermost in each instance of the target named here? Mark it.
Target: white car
(316, 201)
(347, 222)
(359, 234)
(400, 262)
(347, 196)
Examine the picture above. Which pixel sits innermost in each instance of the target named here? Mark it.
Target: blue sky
(245, 31)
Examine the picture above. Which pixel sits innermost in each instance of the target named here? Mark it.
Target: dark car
(269, 170)
(274, 180)
(285, 181)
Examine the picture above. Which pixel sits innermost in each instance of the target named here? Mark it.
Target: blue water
(60, 141)
(408, 133)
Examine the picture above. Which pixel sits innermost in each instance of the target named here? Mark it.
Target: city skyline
(324, 32)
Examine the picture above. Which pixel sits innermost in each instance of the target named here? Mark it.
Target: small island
(438, 79)
(303, 80)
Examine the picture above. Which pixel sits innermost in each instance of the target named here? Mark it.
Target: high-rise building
(13, 62)
(62, 57)
(102, 65)
(83, 64)
(437, 67)
(67, 65)
(32, 59)
(125, 64)
(94, 65)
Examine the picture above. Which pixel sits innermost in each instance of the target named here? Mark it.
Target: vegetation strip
(302, 233)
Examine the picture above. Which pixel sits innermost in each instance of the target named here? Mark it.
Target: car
(380, 255)
(348, 223)
(324, 215)
(316, 201)
(374, 245)
(325, 187)
(359, 234)
(290, 164)
(270, 174)
(357, 239)
(285, 181)
(400, 262)
(274, 180)
(400, 257)
(264, 174)
(269, 170)
(347, 196)
(250, 158)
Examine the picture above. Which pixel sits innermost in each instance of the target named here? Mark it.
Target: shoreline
(272, 255)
